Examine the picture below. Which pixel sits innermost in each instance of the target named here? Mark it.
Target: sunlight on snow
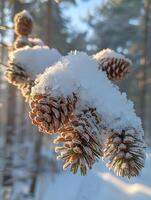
(129, 189)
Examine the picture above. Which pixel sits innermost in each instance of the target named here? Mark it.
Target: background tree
(125, 27)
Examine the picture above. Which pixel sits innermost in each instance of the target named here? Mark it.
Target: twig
(5, 28)
(4, 65)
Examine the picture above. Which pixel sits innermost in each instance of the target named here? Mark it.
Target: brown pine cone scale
(115, 68)
(80, 146)
(125, 152)
(52, 112)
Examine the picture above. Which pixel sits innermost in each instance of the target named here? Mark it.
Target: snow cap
(34, 59)
(78, 73)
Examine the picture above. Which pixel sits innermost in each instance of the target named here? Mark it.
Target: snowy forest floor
(98, 184)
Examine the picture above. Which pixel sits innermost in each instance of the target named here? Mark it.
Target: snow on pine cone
(79, 141)
(25, 64)
(125, 152)
(50, 113)
(67, 76)
(18, 77)
(23, 23)
(115, 65)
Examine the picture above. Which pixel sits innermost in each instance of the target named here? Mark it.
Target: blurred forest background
(122, 25)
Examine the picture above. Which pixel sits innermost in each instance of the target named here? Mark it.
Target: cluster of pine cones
(79, 136)
(78, 133)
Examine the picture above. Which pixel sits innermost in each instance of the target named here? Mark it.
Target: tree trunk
(10, 132)
(49, 23)
(144, 58)
(37, 160)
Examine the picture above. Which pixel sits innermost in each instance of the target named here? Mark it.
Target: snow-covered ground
(99, 184)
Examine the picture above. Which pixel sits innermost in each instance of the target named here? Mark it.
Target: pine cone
(81, 146)
(114, 64)
(23, 23)
(115, 68)
(125, 152)
(51, 113)
(15, 74)
(18, 77)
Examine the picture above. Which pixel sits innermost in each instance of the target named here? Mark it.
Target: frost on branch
(114, 64)
(78, 73)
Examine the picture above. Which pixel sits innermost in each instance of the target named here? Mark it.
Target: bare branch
(5, 28)
(4, 65)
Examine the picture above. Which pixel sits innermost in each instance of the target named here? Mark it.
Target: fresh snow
(99, 184)
(109, 53)
(77, 72)
(34, 59)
